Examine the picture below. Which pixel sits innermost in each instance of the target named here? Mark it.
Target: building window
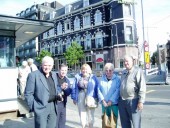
(110, 13)
(67, 25)
(52, 15)
(78, 40)
(61, 61)
(99, 40)
(89, 58)
(67, 8)
(86, 20)
(7, 56)
(33, 8)
(68, 43)
(33, 16)
(98, 17)
(76, 23)
(85, 3)
(27, 10)
(51, 32)
(127, 9)
(129, 37)
(60, 47)
(87, 42)
(56, 49)
(121, 63)
(52, 47)
(59, 28)
(45, 35)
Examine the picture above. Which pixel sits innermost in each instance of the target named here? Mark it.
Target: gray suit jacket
(37, 91)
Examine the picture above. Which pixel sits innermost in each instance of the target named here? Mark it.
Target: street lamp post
(143, 28)
(117, 45)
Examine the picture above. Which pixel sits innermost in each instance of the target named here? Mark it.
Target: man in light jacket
(132, 94)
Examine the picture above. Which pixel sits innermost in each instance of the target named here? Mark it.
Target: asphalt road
(156, 113)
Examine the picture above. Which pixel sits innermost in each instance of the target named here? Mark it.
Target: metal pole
(143, 34)
(143, 28)
(117, 45)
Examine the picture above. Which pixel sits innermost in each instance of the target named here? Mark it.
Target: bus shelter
(14, 31)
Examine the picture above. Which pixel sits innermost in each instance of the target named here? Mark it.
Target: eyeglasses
(108, 70)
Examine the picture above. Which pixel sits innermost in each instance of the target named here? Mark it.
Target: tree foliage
(42, 54)
(73, 54)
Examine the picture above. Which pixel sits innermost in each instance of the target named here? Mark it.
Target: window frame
(59, 28)
(86, 20)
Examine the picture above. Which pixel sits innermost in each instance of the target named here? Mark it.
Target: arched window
(67, 25)
(86, 20)
(87, 42)
(52, 47)
(76, 23)
(98, 17)
(61, 46)
(68, 43)
(99, 40)
(59, 28)
(78, 40)
(85, 3)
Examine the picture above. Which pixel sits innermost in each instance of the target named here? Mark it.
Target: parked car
(71, 77)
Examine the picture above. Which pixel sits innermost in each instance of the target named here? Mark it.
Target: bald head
(128, 61)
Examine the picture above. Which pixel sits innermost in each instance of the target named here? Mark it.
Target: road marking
(150, 91)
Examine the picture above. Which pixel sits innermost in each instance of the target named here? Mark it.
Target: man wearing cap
(31, 64)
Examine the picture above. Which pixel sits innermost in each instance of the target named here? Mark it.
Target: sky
(156, 17)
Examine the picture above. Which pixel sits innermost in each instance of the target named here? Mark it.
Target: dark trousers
(61, 115)
(129, 114)
(46, 119)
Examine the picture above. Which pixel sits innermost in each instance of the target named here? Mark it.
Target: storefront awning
(25, 29)
(99, 60)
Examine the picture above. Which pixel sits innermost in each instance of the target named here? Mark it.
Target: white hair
(48, 59)
(24, 63)
(30, 60)
(108, 66)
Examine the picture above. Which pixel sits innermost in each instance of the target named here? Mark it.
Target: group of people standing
(46, 94)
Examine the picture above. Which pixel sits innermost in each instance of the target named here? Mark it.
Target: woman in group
(109, 91)
(86, 84)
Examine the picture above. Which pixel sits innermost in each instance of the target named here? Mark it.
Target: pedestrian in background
(109, 89)
(23, 72)
(41, 94)
(64, 90)
(18, 63)
(86, 84)
(31, 64)
(132, 94)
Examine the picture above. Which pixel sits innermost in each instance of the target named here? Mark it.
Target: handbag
(108, 122)
(91, 102)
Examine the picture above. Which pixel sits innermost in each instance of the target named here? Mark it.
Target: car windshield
(70, 75)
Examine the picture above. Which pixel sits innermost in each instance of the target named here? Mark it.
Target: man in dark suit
(41, 94)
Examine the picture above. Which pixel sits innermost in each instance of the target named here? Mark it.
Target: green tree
(73, 54)
(155, 58)
(42, 54)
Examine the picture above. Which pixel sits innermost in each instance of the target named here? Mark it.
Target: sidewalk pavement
(72, 119)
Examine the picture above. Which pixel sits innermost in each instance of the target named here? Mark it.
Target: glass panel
(7, 58)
